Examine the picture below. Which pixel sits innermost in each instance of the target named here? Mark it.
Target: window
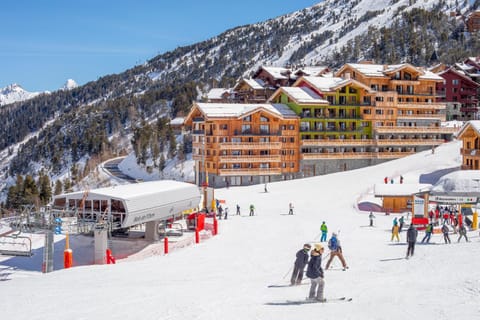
(236, 140)
(291, 127)
(331, 99)
(455, 82)
(224, 127)
(342, 100)
(352, 90)
(384, 87)
(246, 128)
(264, 119)
(264, 139)
(264, 129)
(247, 119)
(407, 76)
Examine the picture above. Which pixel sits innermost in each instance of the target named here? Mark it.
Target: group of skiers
(314, 265)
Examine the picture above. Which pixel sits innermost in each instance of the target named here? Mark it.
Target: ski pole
(288, 272)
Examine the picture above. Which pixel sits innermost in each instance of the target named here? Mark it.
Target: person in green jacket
(252, 210)
(324, 230)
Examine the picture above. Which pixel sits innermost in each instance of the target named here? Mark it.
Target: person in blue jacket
(315, 273)
(299, 265)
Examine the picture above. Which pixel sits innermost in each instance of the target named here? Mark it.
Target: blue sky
(44, 43)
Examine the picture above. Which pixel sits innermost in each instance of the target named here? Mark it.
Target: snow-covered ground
(227, 276)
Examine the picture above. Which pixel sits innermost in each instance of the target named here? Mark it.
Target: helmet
(307, 246)
(318, 246)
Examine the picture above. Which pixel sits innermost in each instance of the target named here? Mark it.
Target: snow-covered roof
(380, 70)
(475, 124)
(146, 201)
(330, 84)
(177, 121)
(217, 93)
(277, 72)
(461, 182)
(257, 84)
(399, 189)
(304, 95)
(312, 70)
(228, 110)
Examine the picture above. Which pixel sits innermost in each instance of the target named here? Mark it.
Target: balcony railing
(356, 155)
(336, 142)
(250, 159)
(397, 129)
(250, 145)
(471, 153)
(250, 172)
(441, 117)
(409, 142)
(257, 133)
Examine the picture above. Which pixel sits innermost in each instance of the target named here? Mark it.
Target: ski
(307, 301)
(286, 285)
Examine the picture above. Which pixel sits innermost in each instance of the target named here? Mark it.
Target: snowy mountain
(69, 85)
(14, 93)
(330, 33)
(228, 276)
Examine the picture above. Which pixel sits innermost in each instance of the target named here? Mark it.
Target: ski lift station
(124, 206)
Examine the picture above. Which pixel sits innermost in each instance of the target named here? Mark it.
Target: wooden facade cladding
(470, 152)
(257, 142)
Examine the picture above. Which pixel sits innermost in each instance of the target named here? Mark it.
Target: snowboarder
(324, 230)
(290, 208)
(412, 234)
(445, 231)
(371, 217)
(300, 263)
(335, 251)
(395, 230)
(238, 210)
(315, 273)
(252, 210)
(428, 233)
(462, 231)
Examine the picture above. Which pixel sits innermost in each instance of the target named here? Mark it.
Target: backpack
(332, 244)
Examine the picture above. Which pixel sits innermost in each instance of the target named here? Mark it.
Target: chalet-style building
(460, 94)
(473, 21)
(470, 136)
(243, 144)
(404, 113)
(252, 91)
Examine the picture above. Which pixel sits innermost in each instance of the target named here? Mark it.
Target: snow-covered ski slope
(227, 277)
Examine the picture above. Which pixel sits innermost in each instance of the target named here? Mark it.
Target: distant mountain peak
(69, 85)
(13, 93)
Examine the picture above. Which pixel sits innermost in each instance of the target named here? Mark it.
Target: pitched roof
(235, 110)
(474, 124)
(380, 70)
(217, 93)
(303, 95)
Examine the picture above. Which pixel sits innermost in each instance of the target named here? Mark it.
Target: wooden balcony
(440, 130)
(336, 142)
(409, 142)
(425, 105)
(250, 172)
(250, 145)
(441, 117)
(374, 117)
(355, 155)
(250, 159)
(471, 153)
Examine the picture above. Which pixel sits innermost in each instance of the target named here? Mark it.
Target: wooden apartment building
(243, 144)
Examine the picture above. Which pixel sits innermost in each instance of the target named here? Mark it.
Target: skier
(401, 179)
(300, 263)
(220, 212)
(385, 180)
(266, 188)
(226, 213)
(238, 210)
(290, 208)
(412, 234)
(371, 217)
(428, 233)
(252, 210)
(445, 231)
(324, 230)
(315, 273)
(463, 232)
(401, 221)
(395, 230)
(335, 251)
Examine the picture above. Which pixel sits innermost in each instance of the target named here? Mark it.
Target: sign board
(453, 199)
(418, 206)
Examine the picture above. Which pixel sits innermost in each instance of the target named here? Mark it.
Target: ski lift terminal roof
(143, 202)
